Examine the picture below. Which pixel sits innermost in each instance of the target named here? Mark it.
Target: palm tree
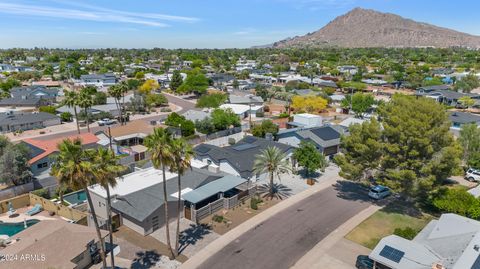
(116, 92)
(182, 156)
(71, 100)
(159, 144)
(85, 101)
(272, 161)
(123, 89)
(73, 169)
(105, 170)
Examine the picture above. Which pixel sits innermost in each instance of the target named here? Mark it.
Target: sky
(199, 23)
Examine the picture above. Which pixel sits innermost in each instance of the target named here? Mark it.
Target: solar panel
(392, 254)
(326, 133)
(250, 139)
(476, 264)
(244, 147)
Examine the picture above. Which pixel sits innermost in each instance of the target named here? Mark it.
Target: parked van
(472, 175)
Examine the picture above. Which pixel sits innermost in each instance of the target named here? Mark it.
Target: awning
(220, 185)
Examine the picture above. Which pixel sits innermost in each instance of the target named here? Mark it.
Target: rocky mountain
(370, 28)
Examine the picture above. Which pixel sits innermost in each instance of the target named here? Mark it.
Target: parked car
(364, 262)
(379, 192)
(105, 121)
(472, 175)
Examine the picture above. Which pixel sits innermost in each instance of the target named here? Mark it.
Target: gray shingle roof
(236, 99)
(463, 117)
(141, 204)
(24, 118)
(239, 156)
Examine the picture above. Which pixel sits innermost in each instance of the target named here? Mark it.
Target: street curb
(312, 259)
(230, 236)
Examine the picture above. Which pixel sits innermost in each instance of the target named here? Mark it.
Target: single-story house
(40, 92)
(238, 159)
(325, 138)
(451, 242)
(98, 80)
(445, 96)
(245, 100)
(11, 122)
(108, 108)
(243, 111)
(137, 199)
(195, 115)
(460, 118)
(41, 151)
(53, 244)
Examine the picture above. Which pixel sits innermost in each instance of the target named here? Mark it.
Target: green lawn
(384, 222)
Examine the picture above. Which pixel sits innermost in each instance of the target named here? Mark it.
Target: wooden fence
(58, 209)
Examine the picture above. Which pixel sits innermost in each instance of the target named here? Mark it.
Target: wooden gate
(187, 213)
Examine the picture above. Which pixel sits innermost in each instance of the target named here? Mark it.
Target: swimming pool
(11, 229)
(75, 197)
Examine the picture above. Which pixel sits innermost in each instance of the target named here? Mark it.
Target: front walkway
(193, 237)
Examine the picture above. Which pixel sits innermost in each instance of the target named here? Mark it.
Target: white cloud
(91, 13)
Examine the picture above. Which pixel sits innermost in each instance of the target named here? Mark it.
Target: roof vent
(476, 248)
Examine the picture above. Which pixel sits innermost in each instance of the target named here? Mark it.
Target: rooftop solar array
(392, 254)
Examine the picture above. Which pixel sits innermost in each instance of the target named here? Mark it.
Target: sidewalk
(335, 251)
(229, 237)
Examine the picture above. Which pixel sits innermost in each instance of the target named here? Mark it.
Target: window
(42, 165)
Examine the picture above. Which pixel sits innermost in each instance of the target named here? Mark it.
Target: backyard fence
(207, 210)
(16, 190)
(58, 209)
(17, 202)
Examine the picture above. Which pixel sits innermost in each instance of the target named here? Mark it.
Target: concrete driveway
(281, 240)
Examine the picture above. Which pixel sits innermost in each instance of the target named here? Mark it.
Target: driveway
(284, 238)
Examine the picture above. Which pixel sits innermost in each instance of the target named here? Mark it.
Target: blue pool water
(75, 197)
(11, 229)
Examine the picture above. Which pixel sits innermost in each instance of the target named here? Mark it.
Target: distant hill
(370, 28)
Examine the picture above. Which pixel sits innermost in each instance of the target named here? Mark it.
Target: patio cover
(220, 185)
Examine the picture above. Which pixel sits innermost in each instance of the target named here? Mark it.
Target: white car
(472, 175)
(105, 121)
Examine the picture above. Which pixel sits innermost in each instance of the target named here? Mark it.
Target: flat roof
(133, 182)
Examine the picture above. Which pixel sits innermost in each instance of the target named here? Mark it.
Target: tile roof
(47, 147)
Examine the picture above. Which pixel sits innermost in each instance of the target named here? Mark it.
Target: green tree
(361, 103)
(470, 141)
(187, 127)
(222, 119)
(309, 157)
(48, 109)
(14, 168)
(182, 156)
(273, 162)
(213, 100)
(72, 168)
(155, 100)
(85, 101)
(159, 144)
(71, 101)
(362, 151)
(196, 82)
(458, 201)
(99, 98)
(176, 81)
(467, 83)
(466, 101)
(235, 84)
(105, 170)
(66, 116)
(267, 126)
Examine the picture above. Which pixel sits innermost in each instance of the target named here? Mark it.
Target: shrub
(47, 109)
(42, 193)
(66, 116)
(231, 141)
(254, 203)
(259, 114)
(457, 201)
(219, 218)
(283, 115)
(407, 233)
(165, 109)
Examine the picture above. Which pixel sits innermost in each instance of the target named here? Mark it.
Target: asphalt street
(283, 239)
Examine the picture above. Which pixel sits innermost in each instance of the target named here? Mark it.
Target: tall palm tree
(116, 92)
(106, 170)
(72, 168)
(85, 101)
(182, 157)
(71, 100)
(159, 144)
(123, 89)
(272, 161)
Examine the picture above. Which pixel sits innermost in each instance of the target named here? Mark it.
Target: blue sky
(199, 23)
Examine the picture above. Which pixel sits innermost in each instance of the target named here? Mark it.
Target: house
(11, 122)
(98, 80)
(32, 96)
(53, 244)
(444, 95)
(245, 100)
(137, 199)
(350, 69)
(460, 118)
(238, 159)
(451, 242)
(326, 138)
(195, 115)
(110, 108)
(41, 151)
(305, 120)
